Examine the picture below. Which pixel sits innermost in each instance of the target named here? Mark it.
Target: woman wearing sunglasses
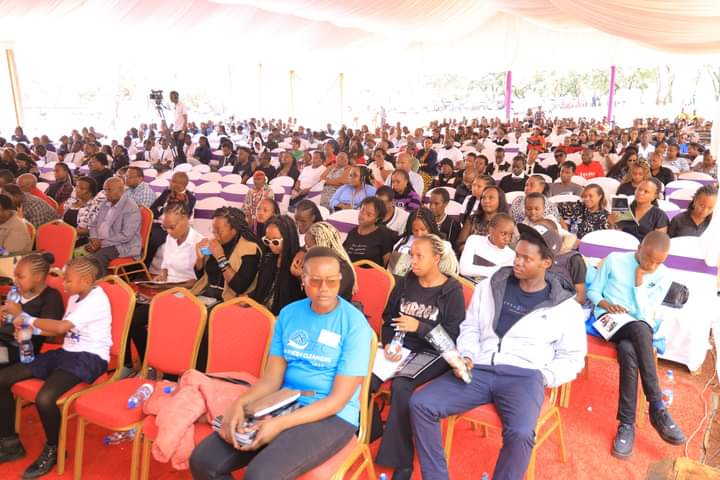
(276, 285)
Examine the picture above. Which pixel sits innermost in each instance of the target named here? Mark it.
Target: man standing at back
(634, 284)
(179, 127)
(523, 332)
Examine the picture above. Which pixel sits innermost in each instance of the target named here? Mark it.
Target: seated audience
(83, 358)
(404, 163)
(28, 184)
(535, 205)
(637, 173)
(310, 176)
(427, 296)
(708, 165)
(351, 195)
(380, 168)
(696, 219)
(535, 184)
(258, 191)
(276, 285)
(635, 284)
(137, 189)
(568, 264)
(483, 255)
(589, 214)
(566, 185)
(37, 300)
(82, 207)
(62, 187)
(516, 180)
(14, 234)
(290, 445)
(306, 213)
(647, 216)
(447, 177)
(115, 232)
(405, 197)
(428, 157)
(202, 153)
(263, 165)
(472, 203)
(288, 166)
(492, 201)
(657, 170)
(99, 168)
(335, 176)
(31, 207)
(621, 169)
(120, 158)
(322, 234)
(499, 166)
(420, 224)
(395, 218)
(449, 226)
(554, 170)
(266, 209)
(673, 160)
(543, 345)
(532, 165)
(589, 168)
(371, 239)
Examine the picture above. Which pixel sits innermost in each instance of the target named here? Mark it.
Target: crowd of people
(525, 327)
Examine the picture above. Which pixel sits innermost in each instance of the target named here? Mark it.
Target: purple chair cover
(201, 195)
(148, 178)
(342, 227)
(696, 265)
(231, 197)
(157, 188)
(204, 214)
(673, 214)
(680, 203)
(669, 190)
(599, 251)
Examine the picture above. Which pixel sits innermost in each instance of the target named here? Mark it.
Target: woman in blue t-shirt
(321, 347)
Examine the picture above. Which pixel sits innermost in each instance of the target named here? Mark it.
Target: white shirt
(377, 171)
(180, 116)
(644, 152)
(179, 260)
(92, 319)
(74, 158)
(490, 257)
(453, 153)
(310, 175)
(398, 221)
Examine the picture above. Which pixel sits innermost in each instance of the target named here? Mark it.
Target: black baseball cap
(549, 237)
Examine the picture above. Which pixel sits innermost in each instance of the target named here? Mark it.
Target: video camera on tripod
(156, 96)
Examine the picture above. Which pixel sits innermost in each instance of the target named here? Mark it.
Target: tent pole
(292, 93)
(342, 100)
(14, 85)
(508, 94)
(611, 94)
(260, 105)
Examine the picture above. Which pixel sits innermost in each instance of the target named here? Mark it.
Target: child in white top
(484, 255)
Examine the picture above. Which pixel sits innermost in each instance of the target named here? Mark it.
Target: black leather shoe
(666, 427)
(624, 441)
(402, 474)
(11, 449)
(44, 463)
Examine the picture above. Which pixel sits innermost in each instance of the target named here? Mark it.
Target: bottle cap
(168, 389)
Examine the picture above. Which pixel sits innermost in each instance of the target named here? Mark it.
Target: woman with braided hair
(276, 285)
(227, 264)
(82, 359)
(36, 299)
(323, 234)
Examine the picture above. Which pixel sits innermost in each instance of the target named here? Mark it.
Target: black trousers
(157, 238)
(635, 353)
(138, 333)
(292, 453)
(179, 138)
(56, 384)
(104, 256)
(396, 449)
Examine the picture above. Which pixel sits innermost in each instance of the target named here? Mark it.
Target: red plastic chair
(126, 266)
(31, 231)
(374, 287)
(57, 238)
(122, 304)
(468, 289)
(358, 448)
(175, 329)
(239, 334)
(487, 416)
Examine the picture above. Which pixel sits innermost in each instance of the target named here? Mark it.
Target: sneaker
(402, 474)
(11, 449)
(666, 427)
(624, 441)
(44, 463)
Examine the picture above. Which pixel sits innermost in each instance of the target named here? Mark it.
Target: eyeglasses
(317, 282)
(275, 242)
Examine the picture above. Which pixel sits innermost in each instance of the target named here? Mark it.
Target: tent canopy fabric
(474, 34)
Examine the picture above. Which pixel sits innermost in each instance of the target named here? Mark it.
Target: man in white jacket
(523, 332)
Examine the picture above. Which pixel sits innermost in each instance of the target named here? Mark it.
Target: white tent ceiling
(434, 35)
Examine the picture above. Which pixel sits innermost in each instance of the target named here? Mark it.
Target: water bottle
(667, 388)
(25, 347)
(485, 476)
(383, 476)
(168, 389)
(141, 394)
(397, 342)
(12, 296)
(119, 437)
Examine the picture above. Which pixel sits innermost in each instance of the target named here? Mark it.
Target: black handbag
(677, 296)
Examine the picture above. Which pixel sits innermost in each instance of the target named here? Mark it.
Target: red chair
(57, 238)
(175, 329)
(240, 322)
(468, 289)
(358, 448)
(120, 266)
(31, 230)
(122, 304)
(374, 287)
(487, 416)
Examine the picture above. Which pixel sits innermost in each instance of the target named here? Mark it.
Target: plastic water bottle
(168, 389)
(141, 394)
(12, 296)
(485, 476)
(397, 342)
(383, 476)
(25, 347)
(119, 437)
(668, 387)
